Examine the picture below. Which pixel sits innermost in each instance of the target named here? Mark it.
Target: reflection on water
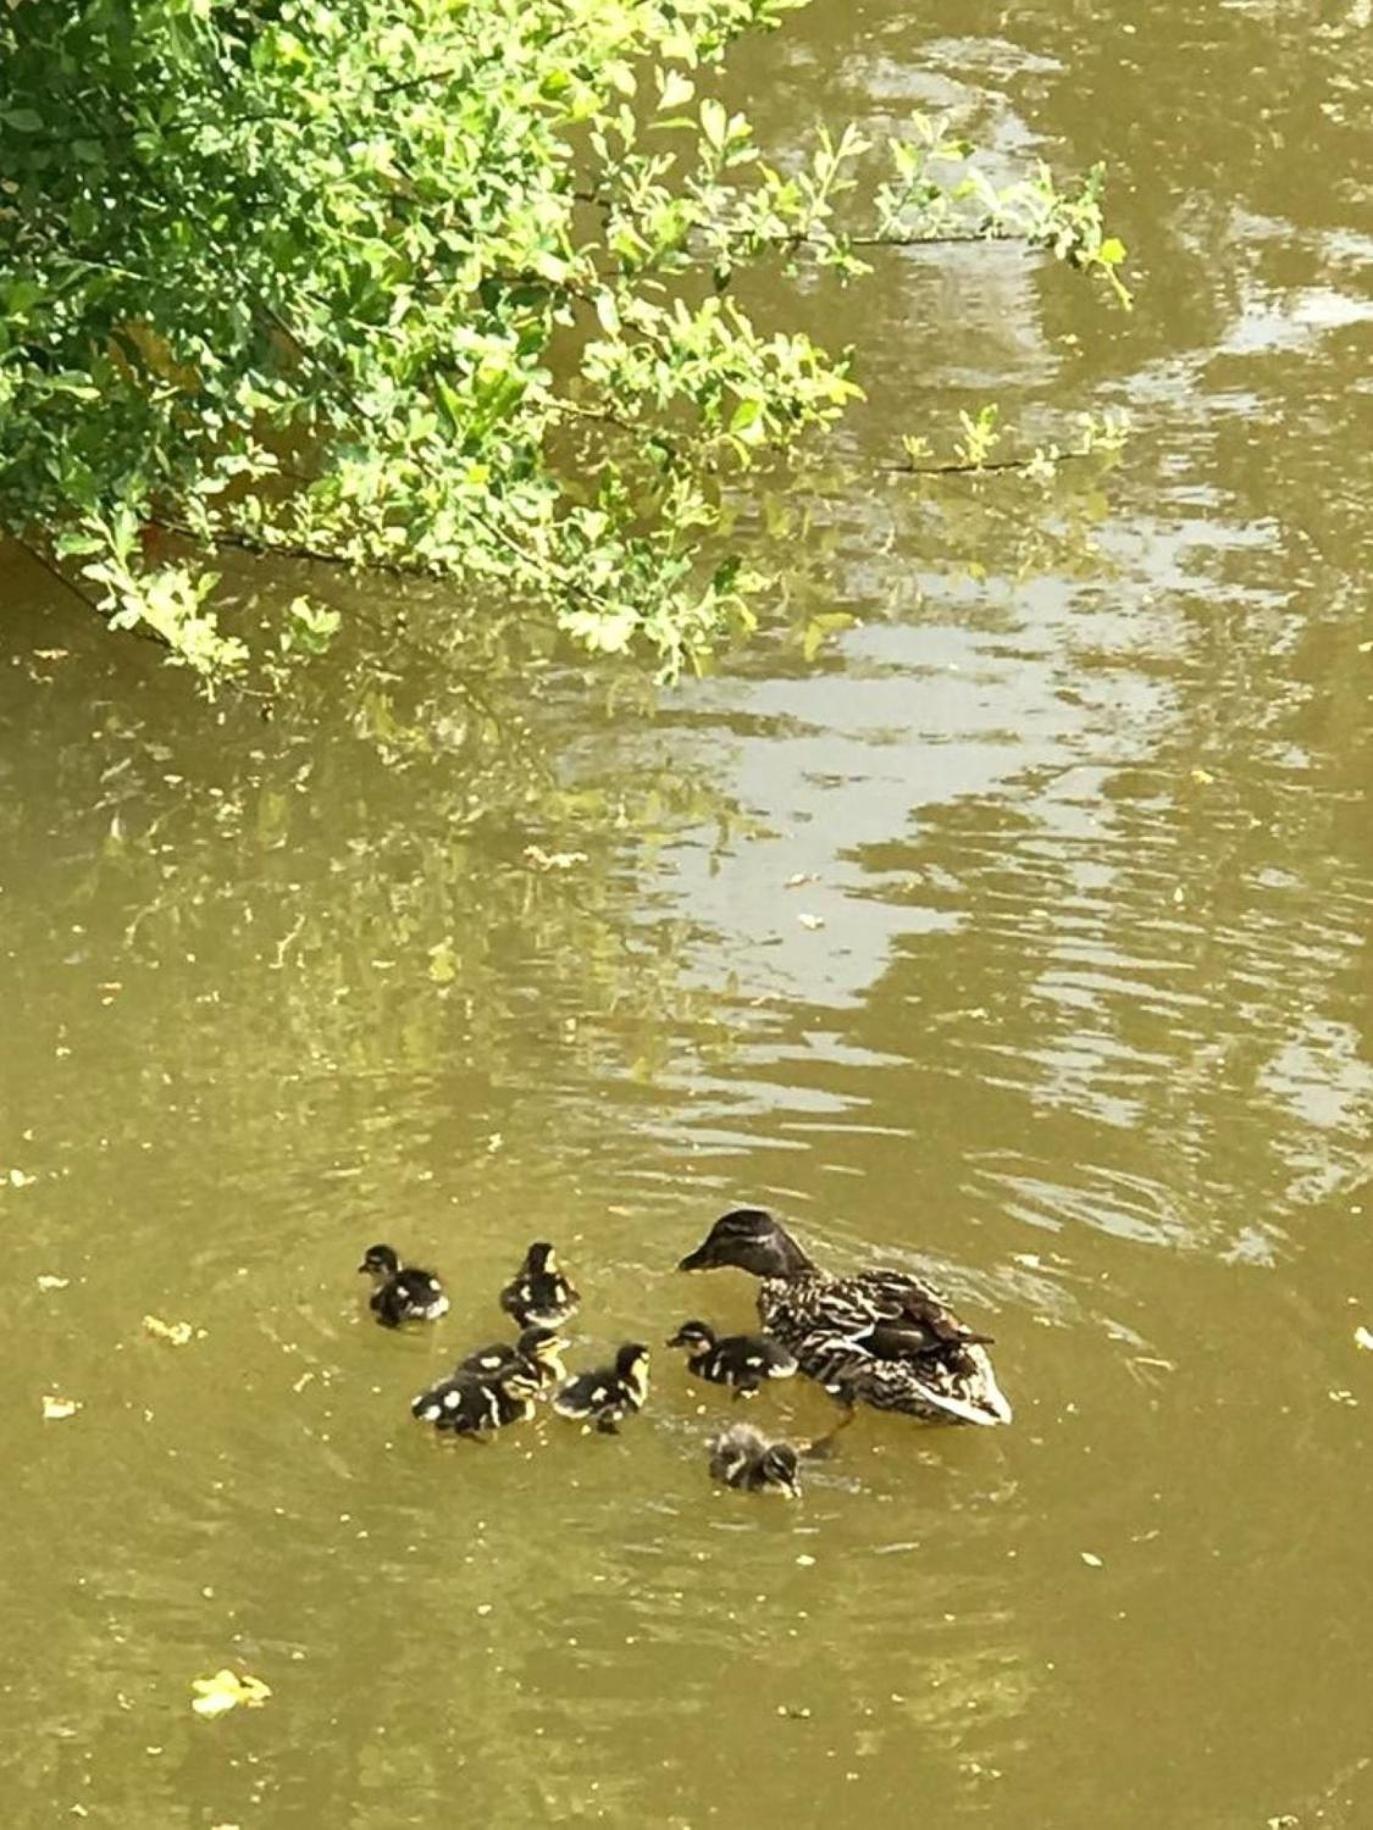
(1019, 933)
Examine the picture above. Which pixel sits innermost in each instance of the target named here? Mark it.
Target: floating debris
(226, 1690)
(1091, 1559)
(811, 921)
(1362, 1337)
(46, 1281)
(56, 1409)
(175, 1334)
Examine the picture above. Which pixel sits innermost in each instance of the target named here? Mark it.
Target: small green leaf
(744, 420)
(714, 122)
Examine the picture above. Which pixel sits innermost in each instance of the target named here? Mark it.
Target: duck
(611, 1393)
(538, 1352)
(468, 1404)
(539, 1293)
(882, 1338)
(741, 1360)
(403, 1293)
(744, 1458)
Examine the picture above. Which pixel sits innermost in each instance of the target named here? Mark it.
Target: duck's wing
(901, 1333)
(910, 1317)
(514, 1298)
(500, 1357)
(586, 1394)
(752, 1356)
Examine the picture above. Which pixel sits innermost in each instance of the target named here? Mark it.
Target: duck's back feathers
(744, 1361)
(887, 1339)
(409, 1295)
(536, 1355)
(610, 1394)
(468, 1405)
(539, 1294)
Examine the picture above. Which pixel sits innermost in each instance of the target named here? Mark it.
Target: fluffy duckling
(539, 1294)
(537, 1354)
(611, 1393)
(469, 1405)
(741, 1360)
(403, 1293)
(743, 1457)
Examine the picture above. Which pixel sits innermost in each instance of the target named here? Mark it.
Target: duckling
(537, 1353)
(611, 1393)
(538, 1292)
(404, 1293)
(740, 1360)
(881, 1337)
(743, 1457)
(469, 1405)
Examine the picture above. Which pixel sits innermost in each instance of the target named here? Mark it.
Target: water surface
(1018, 931)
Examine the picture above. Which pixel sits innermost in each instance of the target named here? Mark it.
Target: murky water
(1020, 932)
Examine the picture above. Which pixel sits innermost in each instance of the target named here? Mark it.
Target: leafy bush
(436, 285)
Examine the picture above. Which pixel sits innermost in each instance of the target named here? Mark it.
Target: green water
(1080, 800)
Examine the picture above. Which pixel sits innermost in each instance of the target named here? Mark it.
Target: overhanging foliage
(441, 285)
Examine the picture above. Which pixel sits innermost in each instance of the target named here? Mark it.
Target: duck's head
(751, 1240)
(694, 1336)
(542, 1346)
(520, 1383)
(379, 1261)
(631, 1366)
(780, 1467)
(541, 1260)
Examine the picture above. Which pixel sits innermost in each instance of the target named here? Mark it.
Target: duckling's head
(779, 1466)
(380, 1261)
(540, 1344)
(694, 1336)
(631, 1366)
(750, 1239)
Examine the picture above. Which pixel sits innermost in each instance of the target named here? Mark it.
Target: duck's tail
(979, 1399)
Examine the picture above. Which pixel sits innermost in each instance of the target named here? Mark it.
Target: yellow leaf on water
(227, 1690)
(176, 1334)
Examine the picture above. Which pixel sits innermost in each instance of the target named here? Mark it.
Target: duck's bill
(699, 1260)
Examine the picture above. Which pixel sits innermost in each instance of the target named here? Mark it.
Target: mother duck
(879, 1336)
